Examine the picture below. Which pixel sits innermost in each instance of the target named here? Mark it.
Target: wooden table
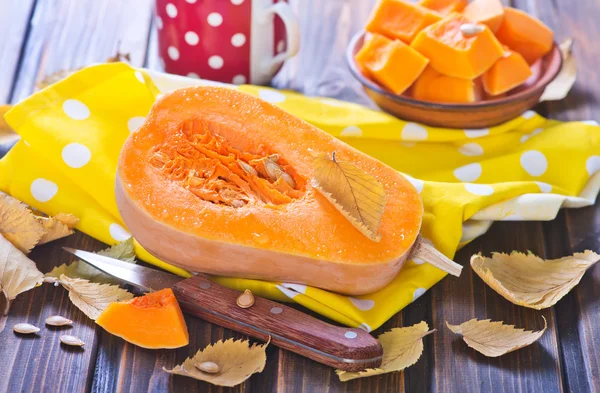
(38, 37)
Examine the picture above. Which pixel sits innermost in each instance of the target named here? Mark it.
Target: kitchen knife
(348, 349)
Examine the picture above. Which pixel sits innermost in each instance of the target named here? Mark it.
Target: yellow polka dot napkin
(525, 169)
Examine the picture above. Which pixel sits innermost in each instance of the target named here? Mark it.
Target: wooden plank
(14, 22)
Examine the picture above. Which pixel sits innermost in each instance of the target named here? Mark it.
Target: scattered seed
(247, 168)
(25, 328)
(273, 170)
(71, 340)
(208, 367)
(246, 299)
(57, 320)
(237, 203)
(273, 157)
(471, 29)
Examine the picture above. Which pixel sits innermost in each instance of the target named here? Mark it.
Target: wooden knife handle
(343, 348)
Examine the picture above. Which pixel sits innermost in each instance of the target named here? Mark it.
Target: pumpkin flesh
(508, 72)
(435, 87)
(445, 7)
(488, 12)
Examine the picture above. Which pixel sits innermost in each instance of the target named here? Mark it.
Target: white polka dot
(215, 62)
(418, 261)
(118, 232)
(365, 327)
(351, 131)
(544, 187)
(528, 115)
(43, 190)
(525, 138)
(237, 2)
(238, 40)
(592, 165)
(214, 19)
(413, 132)
(139, 76)
(191, 1)
(239, 80)
(171, 10)
(193, 75)
(479, 189)
(418, 293)
(362, 304)
(280, 46)
(159, 22)
(591, 122)
(469, 172)
(76, 155)
(173, 53)
(271, 96)
(534, 162)
(471, 149)
(295, 287)
(76, 110)
(417, 184)
(191, 38)
(537, 131)
(135, 122)
(350, 335)
(477, 133)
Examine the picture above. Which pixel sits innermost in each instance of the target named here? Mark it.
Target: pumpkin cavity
(211, 168)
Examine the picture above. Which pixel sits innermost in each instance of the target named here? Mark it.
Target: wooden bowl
(480, 114)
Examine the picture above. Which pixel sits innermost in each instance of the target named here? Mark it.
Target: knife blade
(349, 349)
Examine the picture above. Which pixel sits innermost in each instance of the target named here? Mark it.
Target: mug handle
(292, 28)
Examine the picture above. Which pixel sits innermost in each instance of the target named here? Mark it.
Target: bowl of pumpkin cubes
(453, 63)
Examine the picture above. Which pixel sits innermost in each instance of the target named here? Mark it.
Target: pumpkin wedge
(444, 7)
(151, 321)
(435, 87)
(197, 187)
(508, 72)
(488, 12)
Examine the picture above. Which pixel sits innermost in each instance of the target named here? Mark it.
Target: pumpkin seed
(71, 340)
(288, 179)
(246, 299)
(273, 170)
(247, 168)
(57, 320)
(208, 367)
(273, 157)
(25, 328)
(471, 29)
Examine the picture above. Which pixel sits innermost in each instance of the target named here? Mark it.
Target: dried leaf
(359, 196)
(402, 347)
(18, 225)
(90, 297)
(527, 280)
(494, 339)
(237, 361)
(17, 272)
(7, 134)
(564, 81)
(58, 226)
(53, 78)
(79, 269)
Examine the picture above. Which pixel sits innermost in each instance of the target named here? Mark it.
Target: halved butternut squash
(193, 188)
(488, 12)
(436, 87)
(525, 34)
(508, 72)
(452, 53)
(151, 321)
(444, 7)
(400, 19)
(383, 59)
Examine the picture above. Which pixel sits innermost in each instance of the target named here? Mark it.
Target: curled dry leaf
(359, 196)
(494, 339)
(17, 273)
(58, 226)
(18, 224)
(527, 280)
(92, 298)
(564, 81)
(236, 360)
(402, 347)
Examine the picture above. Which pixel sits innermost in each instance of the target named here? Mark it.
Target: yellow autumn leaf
(7, 134)
(530, 281)
(236, 360)
(564, 81)
(17, 273)
(18, 224)
(359, 196)
(402, 347)
(494, 339)
(90, 297)
(60, 225)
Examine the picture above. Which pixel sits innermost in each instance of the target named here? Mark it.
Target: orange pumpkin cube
(488, 12)
(525, 34)
(507, 73)
(444, 7)
(400, 19)
(453, 53)
(436, 87)
(393, 64)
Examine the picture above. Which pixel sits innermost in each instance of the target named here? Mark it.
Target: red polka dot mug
(233, 41)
